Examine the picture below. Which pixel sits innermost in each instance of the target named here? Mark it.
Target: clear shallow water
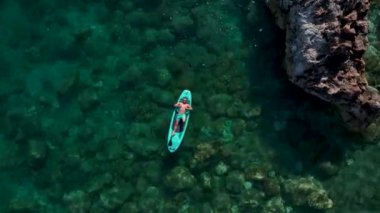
(87, 93)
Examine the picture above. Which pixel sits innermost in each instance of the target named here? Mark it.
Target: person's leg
(175, 127)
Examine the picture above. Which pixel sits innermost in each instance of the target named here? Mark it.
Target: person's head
(184, 100)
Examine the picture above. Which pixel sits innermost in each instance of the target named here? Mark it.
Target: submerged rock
(256, 172)
(274, 205)
(77, 201)
(222, 202)
(355, 188)
(179, 178)
(205, 179)
(325, 43)
(250, 200)
(203, 152)
(115, 196)
(235, 182)
(307, 192)
(150, 200)
(221, 168)
(37, 152)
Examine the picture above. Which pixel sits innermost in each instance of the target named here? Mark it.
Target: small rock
(37, 152)
(203, 152)
(250, 112)
(220, 103)
(163, 77)
(247, 185)
(328, 168)
(239, 126)
(279, 125)
(271, 187)
(182, 23)
(116, 196)
(256, 172)
(205, 180)
(222, 202)
(129, 207)
(235, 182)
(179, 178)
(307, 192)
(250, 200)
(151, 200)
(274, 205)
(221, 168)
(98, 182)
(77, 201)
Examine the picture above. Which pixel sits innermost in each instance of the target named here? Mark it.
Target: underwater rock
(371, 57)
(271, 187)
(325, 43)
(372, 133)
(274, 205)
(238, 127)
(26, 199)
(250, 112)
(115, 196)
(163, 97)
(37, 152)
(58, 77)
(256, 172)
(163, 77)
(179, 178)
(98, 182)
(355, 188)
(235, 182)
(222, 202)
(150, 201)
(129, 207)
(205, 179)
(221, 102)
(221, 168)
(250, 200)
(206, 207)
(144, 146)
(225, 129)
(168, 207)
(234, 109)
(18, 205)
(183, 24)
(181, 199)
(88, 99)
(7, 152)
(153, 171)
(77, 201)
(307, 192)
(163, 36)
(327, 168)
(203, 152)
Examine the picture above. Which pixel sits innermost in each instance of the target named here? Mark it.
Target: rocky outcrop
(325, 42)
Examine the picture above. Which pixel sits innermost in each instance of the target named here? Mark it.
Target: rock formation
(325, 42)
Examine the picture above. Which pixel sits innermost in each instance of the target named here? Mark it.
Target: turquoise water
(87, 90)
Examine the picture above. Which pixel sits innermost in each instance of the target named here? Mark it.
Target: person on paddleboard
(183, 105)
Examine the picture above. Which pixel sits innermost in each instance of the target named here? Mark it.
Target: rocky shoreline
(325, 43)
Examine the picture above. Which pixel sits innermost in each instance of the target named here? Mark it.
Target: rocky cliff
(325, 43)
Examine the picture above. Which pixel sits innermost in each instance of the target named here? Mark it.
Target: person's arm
(177, 105)
(188, 107)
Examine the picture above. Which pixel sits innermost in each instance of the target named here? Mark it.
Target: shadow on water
(302, 130)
